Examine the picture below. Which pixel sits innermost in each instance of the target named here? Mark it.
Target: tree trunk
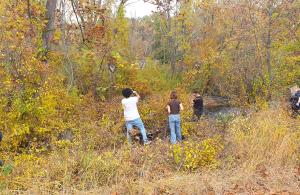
(69, 64)
(170, 40)
(76, 16)
(49, 28)
(268, 52)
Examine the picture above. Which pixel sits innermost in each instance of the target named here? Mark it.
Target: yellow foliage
(193, 155)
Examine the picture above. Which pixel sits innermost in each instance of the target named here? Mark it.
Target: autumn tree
(50, 18)
(29, 101)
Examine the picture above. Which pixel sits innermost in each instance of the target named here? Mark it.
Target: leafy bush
(33, 119)
(192, 155)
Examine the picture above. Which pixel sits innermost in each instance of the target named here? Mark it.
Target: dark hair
(173, 95)
(195, 91)
(127, 92)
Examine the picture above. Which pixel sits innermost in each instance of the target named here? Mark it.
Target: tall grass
(100, 161)
(269, 136)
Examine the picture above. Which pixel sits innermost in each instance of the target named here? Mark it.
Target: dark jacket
(198, 103)
(294, 99)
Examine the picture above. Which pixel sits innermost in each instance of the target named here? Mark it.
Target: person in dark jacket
(197, 105)
(295, 100)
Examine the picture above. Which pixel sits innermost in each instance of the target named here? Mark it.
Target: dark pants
(197, 114)
(295, 110)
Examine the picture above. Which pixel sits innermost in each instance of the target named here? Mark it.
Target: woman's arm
(181, 106)
(136, 94)
(169, 109)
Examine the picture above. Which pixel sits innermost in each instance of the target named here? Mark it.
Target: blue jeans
(174, 124)
(140, 125)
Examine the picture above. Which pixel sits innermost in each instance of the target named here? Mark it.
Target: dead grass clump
(269, 136)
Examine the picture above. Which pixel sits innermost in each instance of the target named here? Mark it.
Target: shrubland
(99, 160)
(60, 101)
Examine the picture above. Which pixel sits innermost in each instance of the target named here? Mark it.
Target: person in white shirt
(131, 114)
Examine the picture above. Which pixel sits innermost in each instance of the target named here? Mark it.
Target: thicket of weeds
(269, 136)
(215, 154)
